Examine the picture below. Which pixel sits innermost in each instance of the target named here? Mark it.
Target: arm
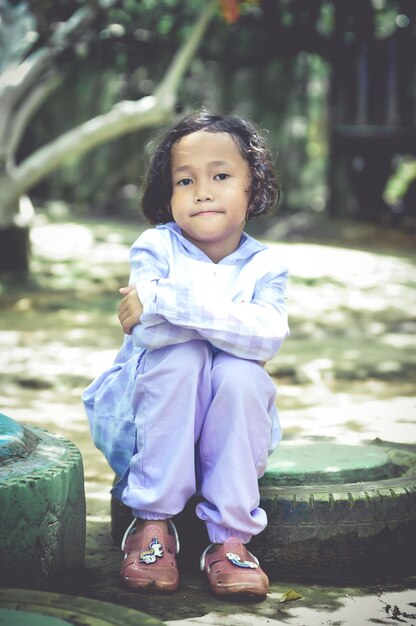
(158, 336)
(174, 313)
(252, 330)
(149, 262)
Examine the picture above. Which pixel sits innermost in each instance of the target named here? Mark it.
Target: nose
(203, 198)
(203, 194)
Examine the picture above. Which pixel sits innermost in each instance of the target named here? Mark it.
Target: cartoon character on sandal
(150, 565)
(149, 558)
(233, 571)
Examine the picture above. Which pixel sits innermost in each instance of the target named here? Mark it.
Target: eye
(184, 182)
(221, 176)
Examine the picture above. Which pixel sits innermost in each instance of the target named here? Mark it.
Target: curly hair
(264, 190)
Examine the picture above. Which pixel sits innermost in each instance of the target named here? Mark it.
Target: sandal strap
(220, 552)
(204, 556)
(129, 530)
(132, 527)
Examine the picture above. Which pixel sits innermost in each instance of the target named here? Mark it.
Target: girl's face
(211, 191)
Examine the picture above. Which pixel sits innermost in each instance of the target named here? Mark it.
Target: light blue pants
(204, 424)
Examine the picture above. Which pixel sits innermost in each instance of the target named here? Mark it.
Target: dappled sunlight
(346, 266)
(355, 609)
(399, 341)
(349, 419)
(54, 362)
(347, 372)
(352, 319)
(61, 241)
(87, 256)
(352, 606)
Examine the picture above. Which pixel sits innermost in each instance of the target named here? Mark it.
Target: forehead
(203, 147)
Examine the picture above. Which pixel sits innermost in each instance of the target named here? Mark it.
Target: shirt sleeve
(149, 260)
(251, 330)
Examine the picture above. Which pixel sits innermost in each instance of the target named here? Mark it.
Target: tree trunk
(14, 250)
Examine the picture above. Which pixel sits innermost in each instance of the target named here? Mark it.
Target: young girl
(187, 407)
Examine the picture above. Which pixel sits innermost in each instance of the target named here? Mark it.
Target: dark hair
(264, 191)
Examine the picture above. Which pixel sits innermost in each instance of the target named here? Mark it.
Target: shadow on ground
(346, 373)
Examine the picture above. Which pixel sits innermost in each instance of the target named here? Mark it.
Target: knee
(192, 353)
(241, 375)
(180, 359)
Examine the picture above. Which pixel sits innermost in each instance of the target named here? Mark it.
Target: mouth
(206, 212)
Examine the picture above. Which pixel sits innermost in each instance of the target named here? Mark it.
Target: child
(187, 407)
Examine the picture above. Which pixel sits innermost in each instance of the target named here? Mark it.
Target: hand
(130, 309)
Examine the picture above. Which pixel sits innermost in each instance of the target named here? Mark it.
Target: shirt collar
(247, 248)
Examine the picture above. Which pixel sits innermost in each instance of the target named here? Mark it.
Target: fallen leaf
(290, 595)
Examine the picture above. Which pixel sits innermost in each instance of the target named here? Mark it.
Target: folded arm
(147, 267)
(172, 312)
(251, 330)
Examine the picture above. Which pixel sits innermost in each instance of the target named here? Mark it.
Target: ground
(347, 374)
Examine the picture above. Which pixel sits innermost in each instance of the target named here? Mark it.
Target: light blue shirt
(237, 305)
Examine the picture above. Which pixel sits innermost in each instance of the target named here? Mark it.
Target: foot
(149, 558)
(233, 571)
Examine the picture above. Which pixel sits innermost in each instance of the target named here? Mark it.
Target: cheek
(175, 198)
(177, 205)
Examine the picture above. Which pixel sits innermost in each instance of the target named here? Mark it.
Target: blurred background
(86, 88)
(332, 81)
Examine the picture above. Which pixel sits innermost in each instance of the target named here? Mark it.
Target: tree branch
(19, 119)
(13, 85)
(15, 82)
(124, 117)
(183, 57)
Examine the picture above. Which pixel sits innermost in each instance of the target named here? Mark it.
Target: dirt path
(347, 373)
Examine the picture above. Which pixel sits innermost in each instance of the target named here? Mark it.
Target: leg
(172, 395)
(234, 447)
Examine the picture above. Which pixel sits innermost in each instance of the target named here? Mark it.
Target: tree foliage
(27, 82)
(72, 71)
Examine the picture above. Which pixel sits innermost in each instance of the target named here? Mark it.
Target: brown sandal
(232, 570)
(149, 558)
